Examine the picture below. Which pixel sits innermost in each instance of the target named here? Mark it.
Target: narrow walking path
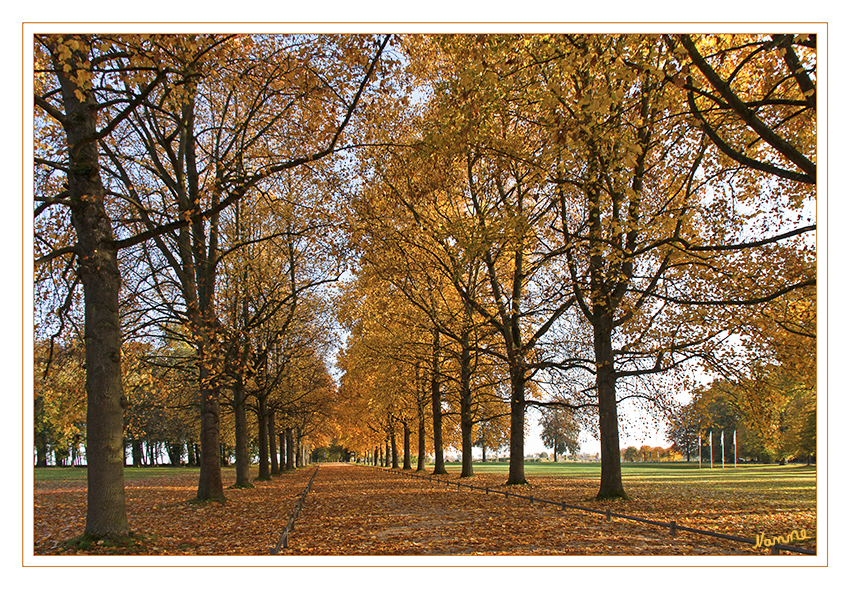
(357, 510)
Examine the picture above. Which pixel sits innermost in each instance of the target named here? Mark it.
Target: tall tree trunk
(240, 397)
(40, 452)
(299, 449)
(290, 451)
(406, 446)
(465, 407)
(209, 480)
(611, 482)
(137, 452)
(516, 469)
(240, 414)
(40, 434)
(420, 458)
(393, 444)
(263, 439)
(603, 305)
(437, 406)
(198, 271)
(420, 448)
(273, 444)
(282, 444)
(175, 454)
(106, 512)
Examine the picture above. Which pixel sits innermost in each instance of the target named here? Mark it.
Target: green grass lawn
(652, 470)
(781, 483)
(131, 473)
(76, 473)
(655, 471)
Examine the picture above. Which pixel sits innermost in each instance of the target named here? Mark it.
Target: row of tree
(771, 402)
(162, 416)
(529, 220)
(171, 185)
(768, 419)
(650, 454)
(562, 220)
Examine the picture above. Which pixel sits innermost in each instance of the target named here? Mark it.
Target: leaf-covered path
(358, 510)
(159, 508)
(355, 510)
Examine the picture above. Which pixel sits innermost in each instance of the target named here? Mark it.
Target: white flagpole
(699, 447)
(722, 451)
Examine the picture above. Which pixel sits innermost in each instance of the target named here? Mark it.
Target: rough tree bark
(406, 446)
(393, 444)
(611, 481)
(420, 458)
(290, 451)
(273, 444)
(466, 420)
(106, 514)
(437, 406)
(516, 468)
(241, 419)
(263, 439)
(299, 448)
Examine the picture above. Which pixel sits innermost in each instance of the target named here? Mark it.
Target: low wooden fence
(283, 542)
(672, 526)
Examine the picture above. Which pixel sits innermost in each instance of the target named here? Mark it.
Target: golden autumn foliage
(567, 221)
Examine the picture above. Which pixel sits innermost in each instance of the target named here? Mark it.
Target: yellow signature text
(761, 541)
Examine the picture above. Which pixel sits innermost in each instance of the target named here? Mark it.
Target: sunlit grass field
(788, 475)
(655, 470)
(774, 476)
(786, 486)
(76, 473)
